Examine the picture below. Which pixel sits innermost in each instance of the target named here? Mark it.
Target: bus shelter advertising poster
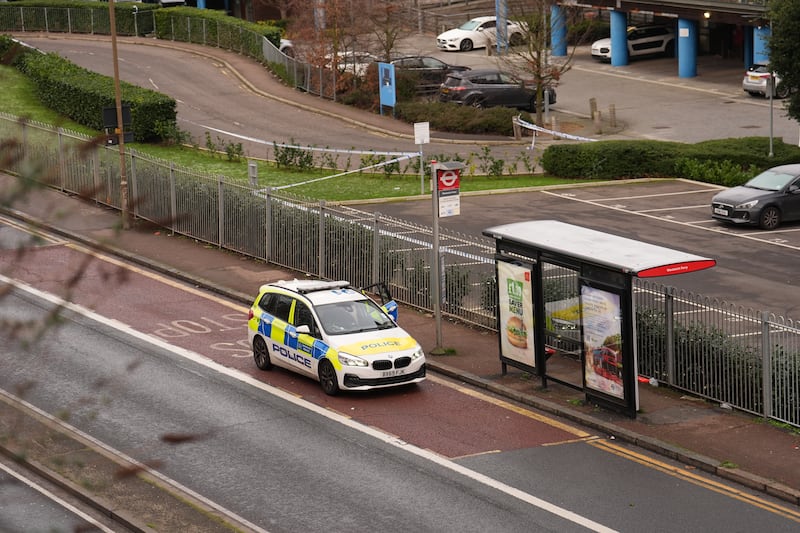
(602, 338)
(515, 300)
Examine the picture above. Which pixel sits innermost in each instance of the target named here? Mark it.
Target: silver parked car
(766, 200)
(756, 81)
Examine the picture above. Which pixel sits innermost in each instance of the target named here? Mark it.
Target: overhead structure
(598, 305)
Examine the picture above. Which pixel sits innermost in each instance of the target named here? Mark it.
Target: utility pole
(123, 175)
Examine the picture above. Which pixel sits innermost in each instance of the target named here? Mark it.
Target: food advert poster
(602, 338)
(515, 300)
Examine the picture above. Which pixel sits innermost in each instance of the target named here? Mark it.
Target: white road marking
(288, 397)
(52, 497)
(672, 208)
(756, 236)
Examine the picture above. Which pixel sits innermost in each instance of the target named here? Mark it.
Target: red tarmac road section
(433, 415)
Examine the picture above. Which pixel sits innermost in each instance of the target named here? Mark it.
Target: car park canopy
(625, 255)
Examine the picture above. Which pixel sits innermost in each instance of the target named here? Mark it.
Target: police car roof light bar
(306, 286)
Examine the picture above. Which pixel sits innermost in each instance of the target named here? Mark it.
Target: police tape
(308, 148)
(370, 167)
(527, 125)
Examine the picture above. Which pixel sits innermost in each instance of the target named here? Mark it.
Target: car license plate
(754, 77)
(720, 211)
(445, 90)
(392, 373)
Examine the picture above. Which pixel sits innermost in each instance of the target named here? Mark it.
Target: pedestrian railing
(83, 19)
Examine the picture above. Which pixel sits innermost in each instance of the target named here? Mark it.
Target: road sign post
(445, 184)
(422, 135)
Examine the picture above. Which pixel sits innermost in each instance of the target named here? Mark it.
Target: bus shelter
(561, 280)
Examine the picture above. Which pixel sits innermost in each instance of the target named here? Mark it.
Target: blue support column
(687, 48)
(760, 38)
(619, 38)
(558, 31)
(201, 4)
(748, 46)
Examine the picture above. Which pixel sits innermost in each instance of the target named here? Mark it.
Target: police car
(334, 333)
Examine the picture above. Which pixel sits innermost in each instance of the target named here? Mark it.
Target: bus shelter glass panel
(562, 308)
(515, 313)
(602, 335)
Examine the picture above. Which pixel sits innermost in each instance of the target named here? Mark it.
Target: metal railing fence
(74, 20)
(721, 351)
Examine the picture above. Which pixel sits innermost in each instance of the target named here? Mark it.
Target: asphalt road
(274, 450)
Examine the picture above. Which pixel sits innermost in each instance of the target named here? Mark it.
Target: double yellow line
(620, 451)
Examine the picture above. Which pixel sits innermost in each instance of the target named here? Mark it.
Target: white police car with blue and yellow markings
(331, 332)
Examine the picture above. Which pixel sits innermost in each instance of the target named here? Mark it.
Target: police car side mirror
(303, 329)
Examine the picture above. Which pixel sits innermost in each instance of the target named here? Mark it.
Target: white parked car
(351, 61)
(287, 47)
(333, 333)
(642, 41)
(479, 32)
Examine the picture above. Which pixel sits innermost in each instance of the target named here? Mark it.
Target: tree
(533, 57)
(285, 7)
(784, 54)
(388, 25)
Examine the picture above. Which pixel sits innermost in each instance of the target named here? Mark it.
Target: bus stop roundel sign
(448, 179)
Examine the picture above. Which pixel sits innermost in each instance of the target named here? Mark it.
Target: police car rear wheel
(327, 378)
(261, 354)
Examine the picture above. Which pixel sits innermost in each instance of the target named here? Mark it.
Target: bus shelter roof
(625, 255)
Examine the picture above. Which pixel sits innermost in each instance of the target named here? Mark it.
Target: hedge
(645, 158)
(215, 28)
(82, 95)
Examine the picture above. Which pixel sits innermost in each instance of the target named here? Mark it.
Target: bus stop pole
(435, 278)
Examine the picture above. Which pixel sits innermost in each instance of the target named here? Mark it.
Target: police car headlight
(351, 360)
(417, 353)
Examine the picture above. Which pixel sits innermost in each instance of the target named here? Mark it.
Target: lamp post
(123, 175)
(771, 90)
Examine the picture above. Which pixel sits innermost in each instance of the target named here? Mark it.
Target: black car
(429, 72)
(765, 201)
(491, 88)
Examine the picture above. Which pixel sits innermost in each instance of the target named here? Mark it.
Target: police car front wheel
(328, 379)
(261, 354)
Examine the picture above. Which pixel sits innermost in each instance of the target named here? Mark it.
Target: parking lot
(680, 202)
(754, 267)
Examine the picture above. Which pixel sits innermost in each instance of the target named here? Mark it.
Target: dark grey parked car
(767, 200)
(490, 88)
(429, 71)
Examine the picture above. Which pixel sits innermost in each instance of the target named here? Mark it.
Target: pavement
(702, 435)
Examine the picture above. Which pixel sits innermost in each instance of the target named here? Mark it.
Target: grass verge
(18, 98)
